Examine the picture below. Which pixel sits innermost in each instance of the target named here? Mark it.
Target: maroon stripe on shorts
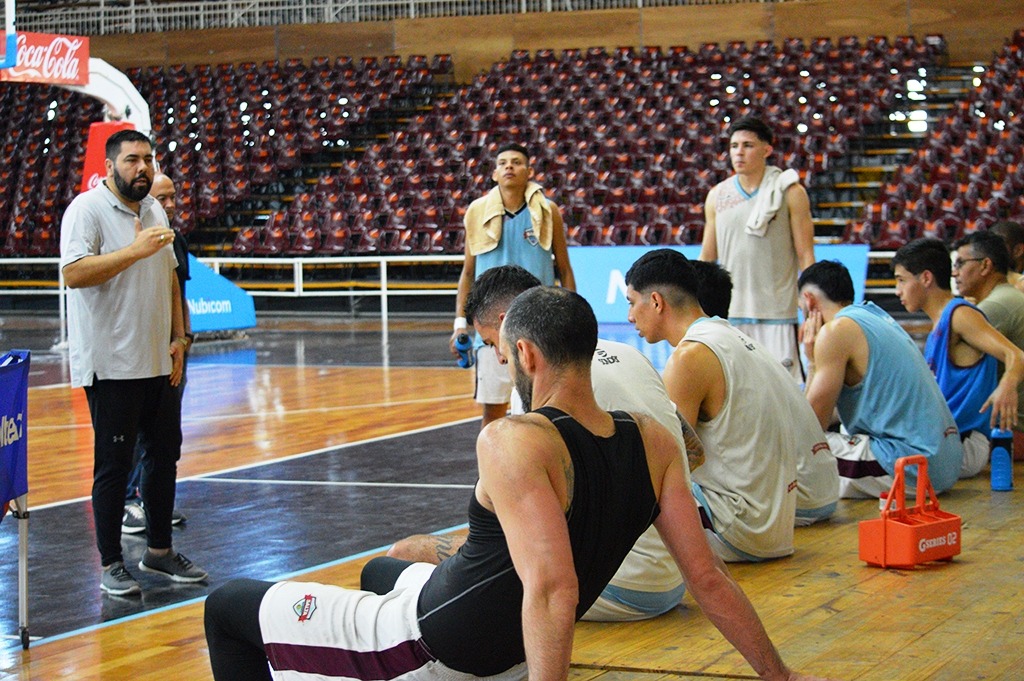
(705, 520)
(860, 469)
(401, 659)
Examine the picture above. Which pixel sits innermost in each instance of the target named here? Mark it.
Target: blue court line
(175, 606)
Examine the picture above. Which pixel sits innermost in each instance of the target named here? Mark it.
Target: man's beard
(130, 190)
(524, 386)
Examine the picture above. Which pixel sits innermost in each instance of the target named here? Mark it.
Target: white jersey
(625, 380)
(753, 445)
(763, 268)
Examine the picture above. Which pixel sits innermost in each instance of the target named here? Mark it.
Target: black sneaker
(172, 564)
(117, 581)
(134, 519)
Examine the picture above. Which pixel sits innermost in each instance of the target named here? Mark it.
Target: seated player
(961, 350)
(817, 479)
(563, 494)
(980, 271)
(861, 362)
(748, 412)
(648, 582)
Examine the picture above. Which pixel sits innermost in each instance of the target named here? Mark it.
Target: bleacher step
(895, 137)
(842, 204)
(890, 152)
(858, 185)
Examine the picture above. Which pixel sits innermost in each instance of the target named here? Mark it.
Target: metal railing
(104, 17)
(298, 286)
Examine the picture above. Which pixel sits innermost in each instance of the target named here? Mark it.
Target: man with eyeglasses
(981, 262)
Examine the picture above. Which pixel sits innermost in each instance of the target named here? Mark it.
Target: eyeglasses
(957, 264)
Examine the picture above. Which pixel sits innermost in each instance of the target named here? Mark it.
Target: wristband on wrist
(185, 342)
(460, 323)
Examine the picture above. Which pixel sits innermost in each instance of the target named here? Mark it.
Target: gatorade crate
(905, 537)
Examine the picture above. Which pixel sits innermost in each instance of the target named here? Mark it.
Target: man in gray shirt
(127, 343)
(981, 263)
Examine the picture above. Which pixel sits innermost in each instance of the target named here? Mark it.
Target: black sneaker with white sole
(174, 565)
(117, 581)
(134, 519)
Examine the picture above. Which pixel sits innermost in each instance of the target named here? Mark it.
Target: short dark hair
(558, 321)
(755, 125)
(512, 146)
(714, 288)
(1011, 232)
(988, 245)
(832, 278)
(115, 141)
(494, 291)
(926, 254)
(667, 270)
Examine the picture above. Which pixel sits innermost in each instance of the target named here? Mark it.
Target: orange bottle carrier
(905, 537)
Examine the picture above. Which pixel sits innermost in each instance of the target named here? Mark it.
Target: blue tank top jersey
(470, 610)
(965, 388)
(519, 246)
(898, 403)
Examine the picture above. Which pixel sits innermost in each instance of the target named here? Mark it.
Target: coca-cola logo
(47, 58)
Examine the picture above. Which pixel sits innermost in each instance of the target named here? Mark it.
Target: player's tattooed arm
(694, 447)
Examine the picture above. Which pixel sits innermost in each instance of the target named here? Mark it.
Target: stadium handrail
(145, 16)
(296, 288)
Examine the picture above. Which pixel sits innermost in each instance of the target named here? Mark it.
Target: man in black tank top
(563, 494)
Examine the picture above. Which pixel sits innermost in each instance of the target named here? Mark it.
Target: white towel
(770, 196)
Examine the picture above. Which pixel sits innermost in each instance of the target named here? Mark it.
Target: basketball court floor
(309, 445)
(263, 510)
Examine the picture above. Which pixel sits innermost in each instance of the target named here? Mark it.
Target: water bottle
(1002, 460)
(464, 344)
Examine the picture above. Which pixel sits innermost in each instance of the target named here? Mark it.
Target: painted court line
(292, 457)
(189, 420)
(175, 606)
(332, 483)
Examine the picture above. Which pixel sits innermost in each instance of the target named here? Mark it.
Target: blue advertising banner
(13, 426)
(601, 272)
(214, 303)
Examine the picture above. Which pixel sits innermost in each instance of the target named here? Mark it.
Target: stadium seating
(967, 175)
(627, 140)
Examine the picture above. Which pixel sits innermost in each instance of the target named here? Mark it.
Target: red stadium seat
(246, 241)
(307, 242)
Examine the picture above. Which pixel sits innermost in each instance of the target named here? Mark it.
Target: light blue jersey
(898, 404)
(519, 246)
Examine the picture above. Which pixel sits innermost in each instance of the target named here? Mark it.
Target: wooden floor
(827, 612)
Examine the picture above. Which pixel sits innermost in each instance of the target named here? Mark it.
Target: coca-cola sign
(49, 58)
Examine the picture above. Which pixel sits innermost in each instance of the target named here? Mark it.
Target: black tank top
(470, 610)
